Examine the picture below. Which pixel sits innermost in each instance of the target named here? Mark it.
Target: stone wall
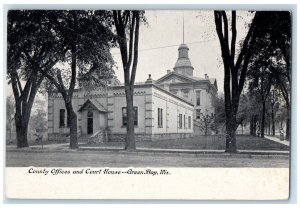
(172, 107)
(58, 137)
(149, 137)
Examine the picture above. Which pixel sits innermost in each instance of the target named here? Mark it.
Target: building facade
(102, 113)
(199, 91)
(170, 107)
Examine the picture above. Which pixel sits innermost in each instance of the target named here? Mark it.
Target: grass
(244, 142)
(33, 142)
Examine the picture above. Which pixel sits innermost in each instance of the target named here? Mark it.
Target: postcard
(148, 104)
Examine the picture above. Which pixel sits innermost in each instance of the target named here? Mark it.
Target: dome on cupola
(183, 65)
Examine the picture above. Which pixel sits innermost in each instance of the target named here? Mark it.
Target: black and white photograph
(145, 93)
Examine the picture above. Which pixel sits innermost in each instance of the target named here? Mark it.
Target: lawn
(34, 142)
(244, 142)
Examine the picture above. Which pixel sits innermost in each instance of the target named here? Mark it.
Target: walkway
(77, 158)
(275, 139)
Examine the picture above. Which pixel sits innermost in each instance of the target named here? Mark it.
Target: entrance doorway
(90, 122)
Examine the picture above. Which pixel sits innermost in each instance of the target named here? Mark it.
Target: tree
(243, 111)
(207, 123)
(273, 56)
(268, 117)
(127, 25)
(87, 36)
(254, 112)
(261, 82)
(38, 118)
(31, 51)
(219, 112)
(235, 69)
(9, 115)
(281, 115)
(273, 101)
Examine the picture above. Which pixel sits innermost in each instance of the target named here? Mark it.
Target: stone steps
(99, 136)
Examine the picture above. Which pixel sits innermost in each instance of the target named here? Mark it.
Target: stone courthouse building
(167, 108)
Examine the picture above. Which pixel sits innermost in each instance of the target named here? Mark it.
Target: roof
(143, 84)
(175, 74)
(183, 62)
(173, 95)
(183, 46)
(212, 81)
(94, 104)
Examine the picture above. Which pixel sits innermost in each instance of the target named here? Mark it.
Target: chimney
(206, 76)
(149, 80)
(168, 71)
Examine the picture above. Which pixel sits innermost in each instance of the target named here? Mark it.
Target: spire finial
(183, 27)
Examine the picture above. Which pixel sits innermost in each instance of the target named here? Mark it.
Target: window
(174, 91)
(124, 116)
(61, 117)
(198, 98)
(135, 115)
(186, 94)
(160, 117)
(184, 122)
(90, 122)
(190, 122)
(198, 113)
(180, 121)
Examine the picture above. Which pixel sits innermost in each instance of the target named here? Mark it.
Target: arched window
(90, 114)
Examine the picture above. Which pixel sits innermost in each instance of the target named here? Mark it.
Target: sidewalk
(64, 147)
(187, 151)
(56, 148)
(275, 139)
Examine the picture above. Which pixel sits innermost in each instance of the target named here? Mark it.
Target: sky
(164, 33)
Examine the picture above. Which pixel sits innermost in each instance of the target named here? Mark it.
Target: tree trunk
(262, 124)
(72, 120)
(230, 134)
(206, 127)
(130, 139)
(22, 117)
(269, 127)
(252, 126)
(273, 120)
(255, 125)
(22, 130)
(287, 135)
(242, 129)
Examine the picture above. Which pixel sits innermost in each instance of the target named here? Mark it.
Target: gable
(92, 105)
(89, 106)
(173, 78)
